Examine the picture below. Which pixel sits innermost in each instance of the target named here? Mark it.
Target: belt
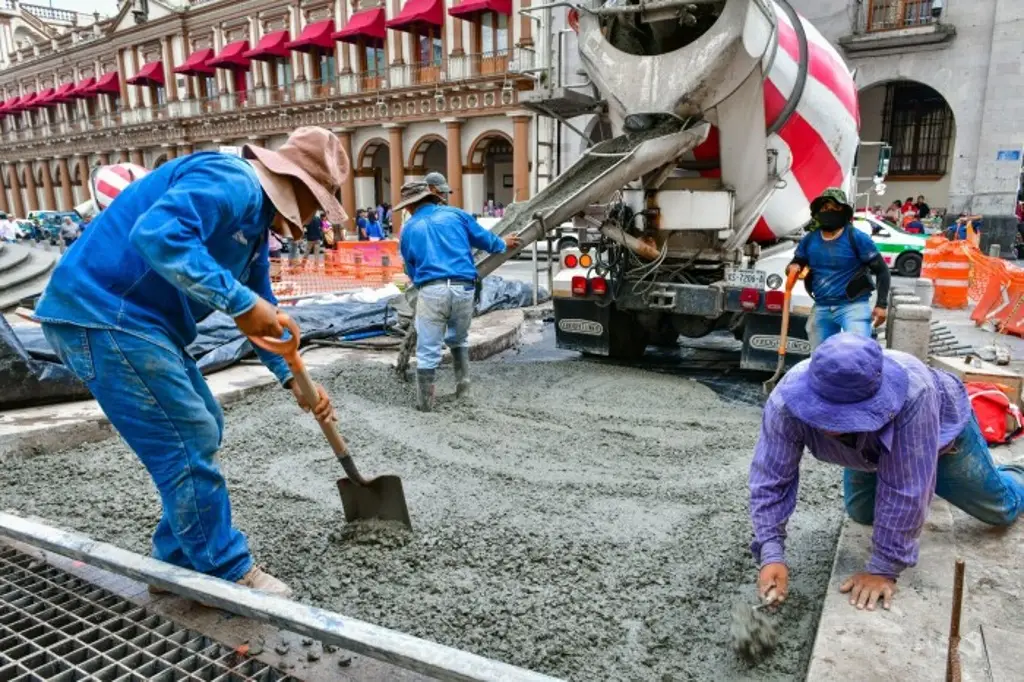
(449, 282)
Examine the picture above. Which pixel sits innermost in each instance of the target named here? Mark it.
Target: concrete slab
(909, 642)
(69, 424)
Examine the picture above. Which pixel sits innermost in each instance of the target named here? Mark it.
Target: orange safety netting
(343, 267)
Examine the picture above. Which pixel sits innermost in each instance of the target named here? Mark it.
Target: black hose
(802, 67)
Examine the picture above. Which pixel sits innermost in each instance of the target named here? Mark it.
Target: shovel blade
(381, 498)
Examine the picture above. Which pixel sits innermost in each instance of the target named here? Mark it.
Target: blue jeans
(160, 404)
(443, 315)
(967, 478)
(848, 317)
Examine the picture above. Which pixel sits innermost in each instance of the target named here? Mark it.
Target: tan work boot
(256, 579)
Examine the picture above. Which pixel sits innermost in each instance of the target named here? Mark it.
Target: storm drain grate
(56, 626)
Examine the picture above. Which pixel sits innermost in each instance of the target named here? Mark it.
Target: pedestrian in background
(314, 237)
(69, 231)
(372, 224)
(839, 258)
(361, 224)
(923, 209)
(437, 246)
(893, 214)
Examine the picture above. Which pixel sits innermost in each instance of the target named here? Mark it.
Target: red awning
(10, 105)
(418, 14)
(82, 87)
(108, 84)
(471, 9)
(151, 73)
(36, 100)
(61, 94)
(232, 57)
(367, 25)
(316, 36)
(197, 64)
(271, 46)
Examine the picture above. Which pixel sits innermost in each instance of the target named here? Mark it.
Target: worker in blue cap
(902, 431)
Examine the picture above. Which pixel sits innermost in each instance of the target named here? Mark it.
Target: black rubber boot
(460, 358)
(425, 390)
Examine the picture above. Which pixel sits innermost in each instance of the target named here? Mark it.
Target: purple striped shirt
(904, 454)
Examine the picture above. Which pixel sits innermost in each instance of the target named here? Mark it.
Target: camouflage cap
(831, 194)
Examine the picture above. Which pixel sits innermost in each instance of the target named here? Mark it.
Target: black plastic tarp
(31, 373)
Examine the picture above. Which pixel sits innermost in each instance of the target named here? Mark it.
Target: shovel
(791, 279)
(377, 498)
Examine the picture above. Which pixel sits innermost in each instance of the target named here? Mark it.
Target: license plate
(746, 279)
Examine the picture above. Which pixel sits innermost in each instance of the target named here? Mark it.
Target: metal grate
(55, 626)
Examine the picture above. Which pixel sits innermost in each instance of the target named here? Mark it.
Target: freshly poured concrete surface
(909, 642)
(578, 518)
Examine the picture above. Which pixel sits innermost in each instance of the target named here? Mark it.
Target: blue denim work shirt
(189, 238)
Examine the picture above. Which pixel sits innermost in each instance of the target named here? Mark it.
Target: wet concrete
(578, 518)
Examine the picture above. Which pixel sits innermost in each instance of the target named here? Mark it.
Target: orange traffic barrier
(952, 276)
(344, 267)
(929, 268)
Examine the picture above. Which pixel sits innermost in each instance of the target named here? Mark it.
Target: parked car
(902, 252)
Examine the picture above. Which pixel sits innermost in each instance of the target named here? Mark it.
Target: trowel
(754, 636)
(362, 499)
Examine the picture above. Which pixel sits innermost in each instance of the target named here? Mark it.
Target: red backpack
(1001, 421)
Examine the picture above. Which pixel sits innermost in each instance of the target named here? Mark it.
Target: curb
(41, 430)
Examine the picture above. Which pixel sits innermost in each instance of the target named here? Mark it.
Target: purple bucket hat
(848, 386)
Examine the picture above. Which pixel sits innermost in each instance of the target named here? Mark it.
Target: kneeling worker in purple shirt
(902, 430)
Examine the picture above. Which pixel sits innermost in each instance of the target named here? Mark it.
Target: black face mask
(831, 221)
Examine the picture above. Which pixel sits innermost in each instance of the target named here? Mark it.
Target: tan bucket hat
(414, 192)
(314, 157)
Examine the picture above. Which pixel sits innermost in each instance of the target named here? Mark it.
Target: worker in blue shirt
(839, 258)
(437, 246)
(189, 238)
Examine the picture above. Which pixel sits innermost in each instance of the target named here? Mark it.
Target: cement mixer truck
(729, 116)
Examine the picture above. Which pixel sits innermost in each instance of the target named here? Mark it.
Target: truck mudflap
(761, 342)
(582, 325)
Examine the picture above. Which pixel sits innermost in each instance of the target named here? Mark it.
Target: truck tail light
(598, 286)
(573, 19)
(579, 285)
(750, 299)
(774, 301)
(570, 260)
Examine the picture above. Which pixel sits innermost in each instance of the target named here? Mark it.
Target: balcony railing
(893, 15)
(449, 70)
(51, 13)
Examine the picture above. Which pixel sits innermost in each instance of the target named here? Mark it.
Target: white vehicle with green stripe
(902, 252)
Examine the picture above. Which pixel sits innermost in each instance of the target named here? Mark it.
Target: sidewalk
(69, 424)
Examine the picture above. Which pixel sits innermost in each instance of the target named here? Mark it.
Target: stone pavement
(68, 424)
(909, 642)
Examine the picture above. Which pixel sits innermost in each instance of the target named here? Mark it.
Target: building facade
(409, 86)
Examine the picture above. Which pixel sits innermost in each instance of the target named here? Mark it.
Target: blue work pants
(444, 312)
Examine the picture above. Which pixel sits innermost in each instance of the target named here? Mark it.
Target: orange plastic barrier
(929, 268)
(952, 275)
(345, 266)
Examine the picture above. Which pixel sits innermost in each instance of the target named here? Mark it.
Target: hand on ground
(323, 411)
(878, 316)
(512, 241)
(866, 589)
(261, 320)
(773, 583)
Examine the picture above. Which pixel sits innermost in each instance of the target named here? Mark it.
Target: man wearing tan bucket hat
(188, 239)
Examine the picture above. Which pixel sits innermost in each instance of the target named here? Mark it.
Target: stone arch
(475, 158)
(82, 172)
(39, 169)
(418, 157)
(368, 151)
(159, 161)
(923, 126)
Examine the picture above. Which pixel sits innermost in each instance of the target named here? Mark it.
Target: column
(520, 158)
(170, 78)
(184, 149)
(397, 39)
(122, 156)
(67, 196)
(397, 163)
(104, 158)
(3, 192)
(298, 58)
(453, 128)
(457, 25)
(136, 156)
(254, 39)
(171, 150)
(348, 189)
(49, 196)
(17, 203)
(185, 43)
(31, 196)
(82, 168)
(525, 25)
(341, 57)
(122, 77)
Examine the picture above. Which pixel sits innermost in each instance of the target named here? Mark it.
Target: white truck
(730, 116)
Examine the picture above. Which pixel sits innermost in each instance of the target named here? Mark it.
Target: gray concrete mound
(582, 519)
